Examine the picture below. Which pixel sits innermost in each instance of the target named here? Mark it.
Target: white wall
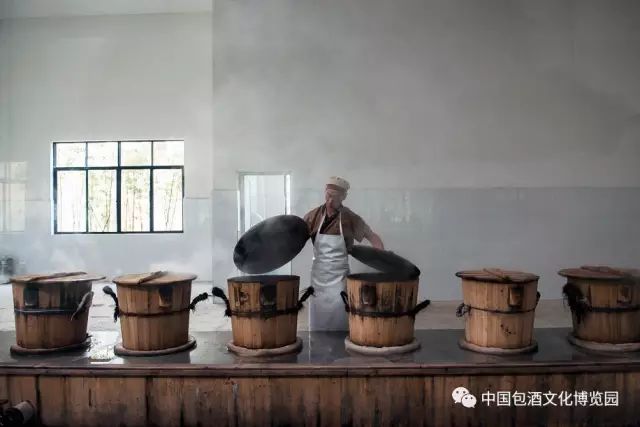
(493, 133)
(108, 78)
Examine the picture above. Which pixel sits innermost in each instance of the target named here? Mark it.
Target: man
(333, 228)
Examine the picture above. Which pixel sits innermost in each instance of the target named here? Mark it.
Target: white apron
(328, 277)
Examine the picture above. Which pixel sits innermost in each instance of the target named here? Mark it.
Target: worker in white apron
(330, 256)
(328, 277)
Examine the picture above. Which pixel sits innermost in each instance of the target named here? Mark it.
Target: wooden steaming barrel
(382, 309)
(605, 304)
(264, 310)
(500, 308)
(52, 310)
(154, 310)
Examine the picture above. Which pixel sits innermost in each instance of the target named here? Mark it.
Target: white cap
(338, 182)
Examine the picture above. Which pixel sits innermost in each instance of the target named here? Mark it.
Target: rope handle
(116, 311)
(345, 299)
(419, 307)
(306, 294)
(199, 298)
(217, 292)
(463, 308)
(85, 304)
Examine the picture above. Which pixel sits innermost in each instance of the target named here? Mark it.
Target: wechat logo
(462, 395)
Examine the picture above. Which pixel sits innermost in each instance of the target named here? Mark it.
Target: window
(261, 196)
(118, 187)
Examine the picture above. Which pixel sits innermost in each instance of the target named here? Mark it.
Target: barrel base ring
(265, 352)
(466, 345)
(121, 351)
(381, 351)
(603, 346)
(16, 349)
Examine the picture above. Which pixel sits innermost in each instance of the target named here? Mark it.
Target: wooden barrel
(154, 310)
(264, 310)
(52, 310)
(500, 308)
(381, 309)
(604, 302)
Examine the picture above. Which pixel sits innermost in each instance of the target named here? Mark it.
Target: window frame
(118, 170)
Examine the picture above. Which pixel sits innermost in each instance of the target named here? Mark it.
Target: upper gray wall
(417, 93)
(475, 133)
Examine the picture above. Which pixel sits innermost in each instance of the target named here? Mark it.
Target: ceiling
(59, 8)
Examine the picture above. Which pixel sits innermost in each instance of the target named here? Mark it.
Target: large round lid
(270, 244)
(497, 275)
(386, 262)
(599, 272)
(155, 278)
(68, 277)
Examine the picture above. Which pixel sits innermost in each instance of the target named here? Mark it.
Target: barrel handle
(578, 303)
(165, 297)
(217, 292)
(116, 311)
(345, 299)
(419, 307)
(537, 297)
(30, 295)
(625, 293)
(515, 296)
(202, 297)
(307, 293)
(85, 304)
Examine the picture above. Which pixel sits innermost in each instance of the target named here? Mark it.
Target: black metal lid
(385, 262)
(270, 244)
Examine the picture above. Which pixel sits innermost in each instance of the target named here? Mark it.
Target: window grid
(118, 169)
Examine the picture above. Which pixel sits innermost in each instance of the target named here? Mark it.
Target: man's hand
(375, 240)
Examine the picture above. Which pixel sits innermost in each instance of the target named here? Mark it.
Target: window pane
(102, 201)
(167, 200)
(71, 209)
(135, 153)
(168, 153)
(70, 154)
(102, 154)
(265, 196)
(135, 200)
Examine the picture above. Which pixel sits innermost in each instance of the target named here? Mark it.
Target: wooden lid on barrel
(599, 272)
(48, 278)
(498, 275)
(156, 278)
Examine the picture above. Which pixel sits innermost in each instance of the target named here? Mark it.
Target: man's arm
(374, 239)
